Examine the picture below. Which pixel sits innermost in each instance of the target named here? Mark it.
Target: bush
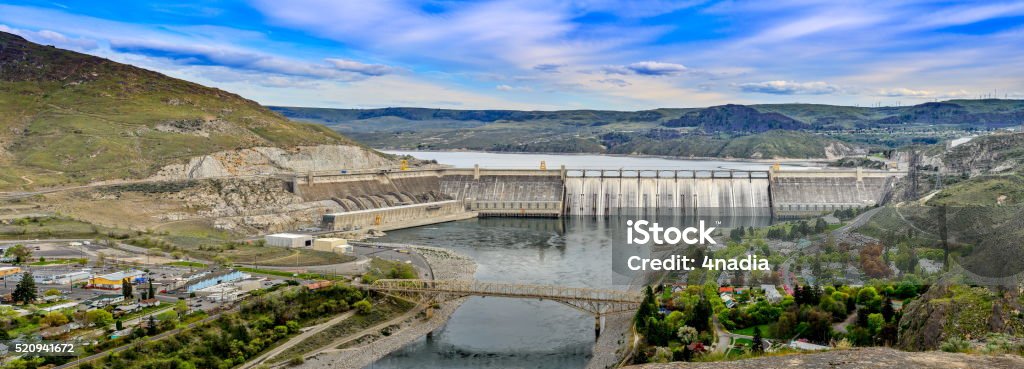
(363, 306)
(955, 344)
(296, 360)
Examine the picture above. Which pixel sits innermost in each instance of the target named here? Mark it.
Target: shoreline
(641, 156)
(445, 264)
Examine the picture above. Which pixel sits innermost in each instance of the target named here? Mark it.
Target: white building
(66, 278)
(289, 240)
(335, 245)
(771, 293)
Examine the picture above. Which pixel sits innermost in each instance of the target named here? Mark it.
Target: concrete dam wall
(371, 191)
(813, 192)
(508, 192)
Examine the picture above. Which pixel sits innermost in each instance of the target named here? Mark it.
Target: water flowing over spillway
(663, 196)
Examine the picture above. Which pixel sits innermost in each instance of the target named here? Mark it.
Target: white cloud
(361, 68)
(790, 88)
(904, 92)
(48, 37)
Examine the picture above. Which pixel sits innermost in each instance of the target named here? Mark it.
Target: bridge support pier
(597, 326)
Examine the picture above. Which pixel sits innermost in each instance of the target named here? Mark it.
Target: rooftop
(289, 235)
(121, 275)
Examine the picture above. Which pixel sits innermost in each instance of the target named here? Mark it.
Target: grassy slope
(67, 117)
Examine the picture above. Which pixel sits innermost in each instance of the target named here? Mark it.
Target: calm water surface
(507, 333)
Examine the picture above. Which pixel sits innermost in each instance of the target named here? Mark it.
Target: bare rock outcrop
(273, 160)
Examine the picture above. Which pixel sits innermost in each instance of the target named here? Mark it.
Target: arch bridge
(597, 302)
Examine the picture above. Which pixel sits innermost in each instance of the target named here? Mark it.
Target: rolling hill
(744, 131)
(71, 118)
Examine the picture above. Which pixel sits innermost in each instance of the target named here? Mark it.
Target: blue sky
(525, 54)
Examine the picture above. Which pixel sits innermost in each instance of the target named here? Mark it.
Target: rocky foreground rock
(862, 358)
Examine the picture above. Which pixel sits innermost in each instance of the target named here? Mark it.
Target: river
(493, 333)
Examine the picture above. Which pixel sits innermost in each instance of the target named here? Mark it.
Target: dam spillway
(565, 192)
(664, 192)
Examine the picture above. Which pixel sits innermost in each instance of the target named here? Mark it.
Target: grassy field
(49, 227)
(749, 331)
(983, 191)
(280, 273)
(60, 262)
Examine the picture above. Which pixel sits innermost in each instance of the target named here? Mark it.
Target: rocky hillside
(69, 118)
(958, 311)
(863, 358)
(992, 154)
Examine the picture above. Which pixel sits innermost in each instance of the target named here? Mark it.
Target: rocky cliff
(273, 160)
(965, 312)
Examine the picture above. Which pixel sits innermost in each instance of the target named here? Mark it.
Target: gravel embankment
(446, 264)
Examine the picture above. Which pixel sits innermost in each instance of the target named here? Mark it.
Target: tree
(52, 292)
(363, 306)
(119, 325)
(54, 319)
(875, 323)
(19, 252)
(152, 291)
(99, 317)
(126, 289)
(26, 291)
(151, 327)
(887, 310)
(820, 225)
(687, 334)
(757, 346)
(180, 307)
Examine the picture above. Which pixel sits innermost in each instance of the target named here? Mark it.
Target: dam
(393, 199)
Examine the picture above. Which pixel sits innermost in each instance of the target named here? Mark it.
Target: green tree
(54, 319)
(26, 291)
(757, 346)
(888, 311)
(19, 252)
(151, 326)
(875, 323)
(151, 290)
(99, 317)
(126, 289)
(820, 225)
(363, 306)
(52, 292)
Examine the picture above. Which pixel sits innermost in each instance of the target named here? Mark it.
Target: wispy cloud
(48, 37)
(569, 53)
(790, 88)
(646, 68)
(340, 69)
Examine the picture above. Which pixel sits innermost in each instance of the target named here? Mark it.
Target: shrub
(955, 344)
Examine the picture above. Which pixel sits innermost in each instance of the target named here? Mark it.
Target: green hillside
(67, 117)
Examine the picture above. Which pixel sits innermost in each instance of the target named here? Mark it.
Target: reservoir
(574, 251)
